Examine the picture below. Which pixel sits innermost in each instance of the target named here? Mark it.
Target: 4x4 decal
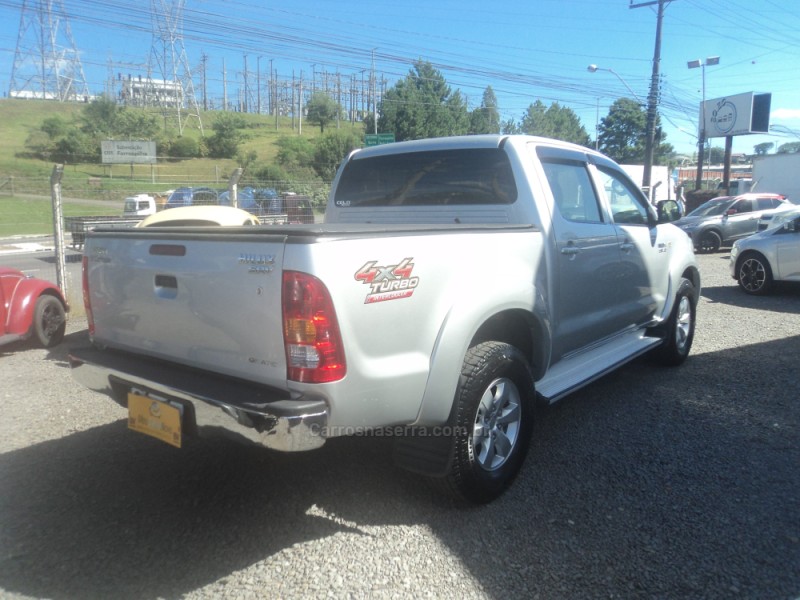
(391, 282)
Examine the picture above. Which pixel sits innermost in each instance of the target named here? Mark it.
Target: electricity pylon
(46, 62)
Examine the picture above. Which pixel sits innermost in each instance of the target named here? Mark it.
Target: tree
(271, 175)
(556, 121)
(486, 118)
(622, 134)
(227, 135)
(789, 148)
(184, 147)
(54, 127)
(322, 109)
(135, 125)
(716, 155)
(100, 117)
(422, 105)
(294, 152)
(510, 127)
(331, 150)
(763, 148)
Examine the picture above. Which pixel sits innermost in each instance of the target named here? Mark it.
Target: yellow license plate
(152, 417)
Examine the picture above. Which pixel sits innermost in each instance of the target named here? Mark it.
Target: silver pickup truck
(455, 283)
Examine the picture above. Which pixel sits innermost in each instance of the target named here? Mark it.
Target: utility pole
(204, 62)
(374, 94)
(224, 86)
(245, 106)
(258, 84)
(652, 96)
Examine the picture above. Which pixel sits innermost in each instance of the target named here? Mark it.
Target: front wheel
(679, 329)
(754, 274)
(49, 320)
(492, 422)
(710, 241)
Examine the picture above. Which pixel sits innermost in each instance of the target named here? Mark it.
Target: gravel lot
(650, 483)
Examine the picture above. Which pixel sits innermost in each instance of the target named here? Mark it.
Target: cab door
(741, 220)
(587, 255)
(644, 246)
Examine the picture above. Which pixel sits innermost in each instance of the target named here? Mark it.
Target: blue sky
(537, 49)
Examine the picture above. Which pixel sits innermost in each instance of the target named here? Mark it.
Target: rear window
(436, 178)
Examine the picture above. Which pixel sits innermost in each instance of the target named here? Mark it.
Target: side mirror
(669, 211)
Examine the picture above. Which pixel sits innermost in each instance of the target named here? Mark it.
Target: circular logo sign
(724, 117)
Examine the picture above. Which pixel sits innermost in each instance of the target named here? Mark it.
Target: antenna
(175, 90)
(46, 62)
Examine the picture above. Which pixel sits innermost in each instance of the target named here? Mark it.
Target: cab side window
(768, 203)
(625, 201)
(573, 191)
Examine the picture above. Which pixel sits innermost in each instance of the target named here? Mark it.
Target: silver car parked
(723, 220)
(760, 260)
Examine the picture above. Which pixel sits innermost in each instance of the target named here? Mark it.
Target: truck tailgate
(211, 301)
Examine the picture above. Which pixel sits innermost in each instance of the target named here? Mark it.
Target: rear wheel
(49, 320)
(710, 241)
(754, 274)
(492, 422)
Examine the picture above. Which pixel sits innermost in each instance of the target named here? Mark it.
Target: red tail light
(86, 302)
(311, 337)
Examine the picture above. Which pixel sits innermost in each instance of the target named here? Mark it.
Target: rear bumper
(213, 404)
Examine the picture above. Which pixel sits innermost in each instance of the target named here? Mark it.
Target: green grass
(32, 216)
(21, 177)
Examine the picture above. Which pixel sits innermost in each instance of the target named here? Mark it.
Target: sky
(536, 49)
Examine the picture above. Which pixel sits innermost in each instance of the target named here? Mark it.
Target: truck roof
(466, 141)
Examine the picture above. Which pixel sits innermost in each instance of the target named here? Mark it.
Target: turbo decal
(387, 283)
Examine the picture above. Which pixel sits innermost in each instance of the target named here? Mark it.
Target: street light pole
(595, 68)
(701, 138)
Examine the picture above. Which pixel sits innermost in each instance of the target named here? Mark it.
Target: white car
(770, 220)
(760, 260)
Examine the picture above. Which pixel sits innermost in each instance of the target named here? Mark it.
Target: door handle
(627, 246)
(570, 250)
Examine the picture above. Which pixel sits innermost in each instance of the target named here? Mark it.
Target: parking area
(649, 483)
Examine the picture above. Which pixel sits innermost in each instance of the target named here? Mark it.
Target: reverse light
(311, 336)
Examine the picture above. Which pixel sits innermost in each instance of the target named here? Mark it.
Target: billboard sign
(125, 152)
(739, 114)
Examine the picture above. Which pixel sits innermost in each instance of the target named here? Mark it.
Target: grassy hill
(25, 182)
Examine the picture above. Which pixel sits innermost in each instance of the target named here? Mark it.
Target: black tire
(678, 331)
(49, 321)
(710, 241)
(754, 274)
(492, 421)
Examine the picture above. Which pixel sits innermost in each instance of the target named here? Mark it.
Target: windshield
(435, 178)
(712, 208)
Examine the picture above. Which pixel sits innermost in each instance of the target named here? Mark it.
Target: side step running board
(581, 369)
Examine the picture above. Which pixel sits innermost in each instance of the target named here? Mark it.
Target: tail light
(311, 336)
(86, 301)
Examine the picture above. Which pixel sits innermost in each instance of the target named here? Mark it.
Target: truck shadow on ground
(638, 484)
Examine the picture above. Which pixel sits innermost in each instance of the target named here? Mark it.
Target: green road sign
(376, 139)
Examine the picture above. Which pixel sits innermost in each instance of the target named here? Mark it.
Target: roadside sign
(132, 151)
(376, 139)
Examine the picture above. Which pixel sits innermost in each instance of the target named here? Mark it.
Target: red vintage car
(30, 307)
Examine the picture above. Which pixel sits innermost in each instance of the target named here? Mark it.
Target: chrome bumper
(213, 405)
